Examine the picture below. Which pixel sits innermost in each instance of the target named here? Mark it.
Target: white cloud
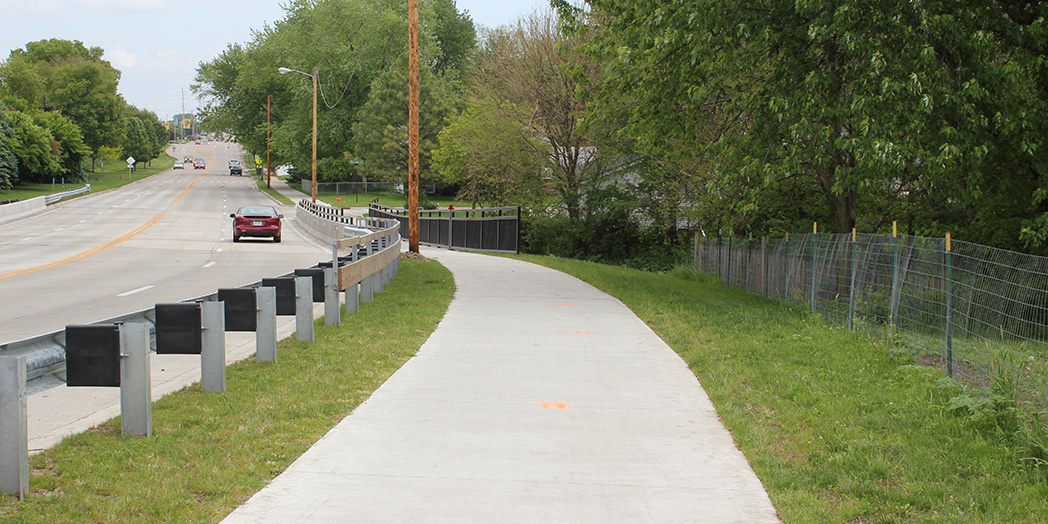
(121, 58)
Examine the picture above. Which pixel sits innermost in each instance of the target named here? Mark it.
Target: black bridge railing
(476, 229)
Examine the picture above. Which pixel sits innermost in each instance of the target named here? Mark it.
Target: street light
(284, 71)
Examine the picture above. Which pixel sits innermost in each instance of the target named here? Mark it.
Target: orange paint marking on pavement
(566, 305)
(183, 193)
(85, 254)
(582, 332)
(554, 405)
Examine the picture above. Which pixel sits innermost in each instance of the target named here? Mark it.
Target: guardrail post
(213, 351)
(266, 324)
(304, 308)
(367, 289)
(14, 432)
(353, 298)
(136, 403)
(332, 310)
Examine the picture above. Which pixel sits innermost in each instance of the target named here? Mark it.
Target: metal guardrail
(494, 229)
(374, 241)
(334, 223)
(55, 197)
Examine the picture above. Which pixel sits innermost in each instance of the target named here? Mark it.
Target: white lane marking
(26, 238)
(219, 250)
(209, 264)
(133, 291)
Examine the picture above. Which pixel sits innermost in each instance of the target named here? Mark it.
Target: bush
(607, 232)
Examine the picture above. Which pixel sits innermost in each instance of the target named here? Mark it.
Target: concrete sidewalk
(537, 399)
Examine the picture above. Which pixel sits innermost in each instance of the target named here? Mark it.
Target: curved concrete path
(538, 399)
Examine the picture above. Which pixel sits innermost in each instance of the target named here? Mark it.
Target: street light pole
(284, 71)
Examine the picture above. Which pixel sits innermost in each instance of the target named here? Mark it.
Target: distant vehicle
(197, 142)
(233, 161)
(187, 159)
(256, 221)
(235, 169)
(198, 163)
(178, 165)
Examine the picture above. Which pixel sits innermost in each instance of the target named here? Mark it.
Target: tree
(69, 141)
(486, 155)
(456, 36)
(521, 78)
(33, 146)
(144, 136)
(76, 82)
(381, 129)
(8, 160)
(350, 43)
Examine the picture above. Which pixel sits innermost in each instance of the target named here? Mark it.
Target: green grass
(273, 193)
(839, 427)
(210, 452)
(114, 174)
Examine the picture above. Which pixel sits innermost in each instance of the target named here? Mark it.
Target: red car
(256, 221)
(199, 164)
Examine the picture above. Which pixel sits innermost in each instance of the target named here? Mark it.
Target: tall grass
(838, 426)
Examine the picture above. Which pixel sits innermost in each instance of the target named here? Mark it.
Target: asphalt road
(163, 239)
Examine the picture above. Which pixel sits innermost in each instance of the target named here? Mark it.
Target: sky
(158, 44)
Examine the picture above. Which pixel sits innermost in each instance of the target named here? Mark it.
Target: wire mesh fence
(979, 313)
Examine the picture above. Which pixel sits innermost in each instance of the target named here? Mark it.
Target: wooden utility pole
(314, 188)
(269, 123)
(413, 125)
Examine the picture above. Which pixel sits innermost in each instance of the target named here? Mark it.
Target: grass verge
(273, 193)
(111, 176)
(210, 452)
(840, 428)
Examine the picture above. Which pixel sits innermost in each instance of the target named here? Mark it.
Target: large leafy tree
(69, 141)
(33, 146)
(65, 76)
(8, 160)
(870, 104)
(144, 136)
(486, 155)
(523, 78)
(381, 130)
(350, 43)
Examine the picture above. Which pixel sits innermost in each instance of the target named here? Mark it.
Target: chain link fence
(977, 312)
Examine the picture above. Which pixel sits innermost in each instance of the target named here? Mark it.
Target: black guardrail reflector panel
(93, 355)
(285, 293)
(318, 281)
(179, 329)
(241, 308)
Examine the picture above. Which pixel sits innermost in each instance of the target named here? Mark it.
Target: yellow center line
(183, 193)
(84, 254)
